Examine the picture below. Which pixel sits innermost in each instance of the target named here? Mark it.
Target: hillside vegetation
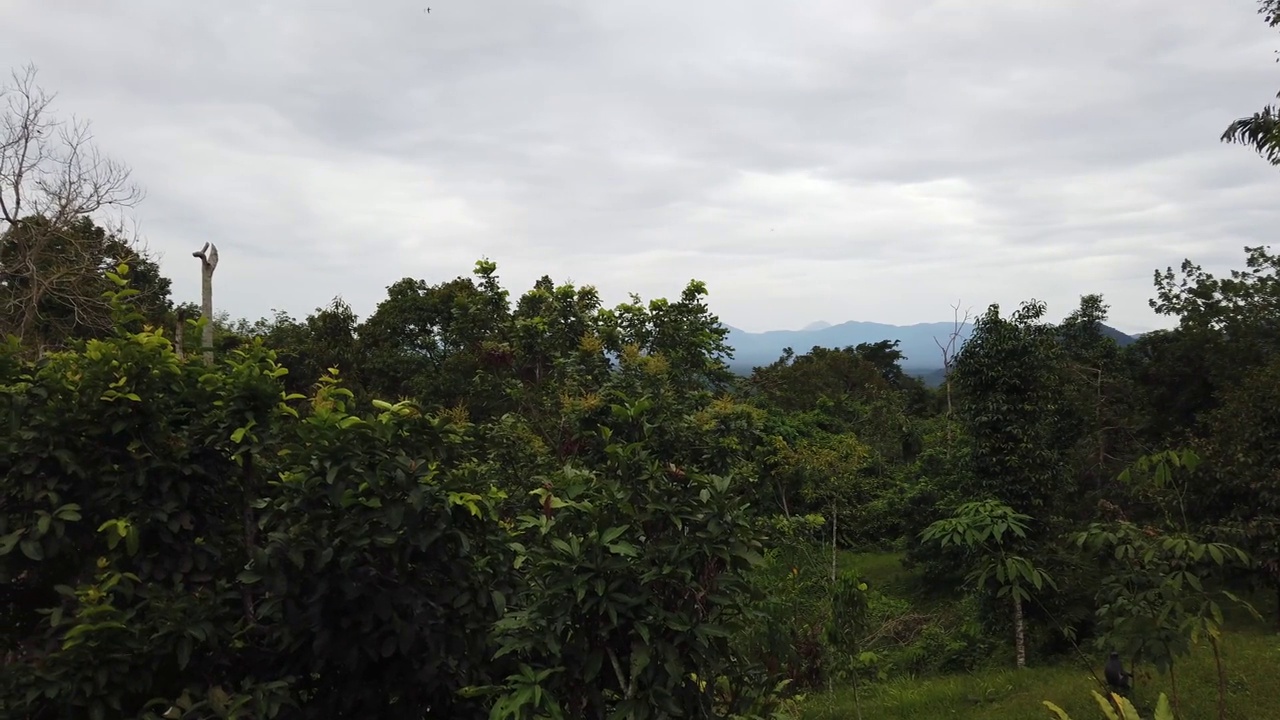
(477, 504)
(579, 513)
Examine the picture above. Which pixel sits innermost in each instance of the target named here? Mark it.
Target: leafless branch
(52, 180)
(948, 348)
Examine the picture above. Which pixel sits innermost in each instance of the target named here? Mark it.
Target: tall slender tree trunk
(835, 523)
(1019, 633)
(1222, 677)
(1102, 432)
(857, 700)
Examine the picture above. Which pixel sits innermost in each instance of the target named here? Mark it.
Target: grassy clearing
(1253, 671)
(882, 568)
(885, 573)
(1251, 655)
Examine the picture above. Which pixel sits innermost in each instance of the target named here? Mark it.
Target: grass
(1251, 654)
(882, 568)
(1252, 660)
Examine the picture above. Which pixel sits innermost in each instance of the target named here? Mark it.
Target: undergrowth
(931, 668)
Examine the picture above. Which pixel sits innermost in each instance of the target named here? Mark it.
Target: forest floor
(1251, 653)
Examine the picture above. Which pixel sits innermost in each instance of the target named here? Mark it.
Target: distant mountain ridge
(918, 343)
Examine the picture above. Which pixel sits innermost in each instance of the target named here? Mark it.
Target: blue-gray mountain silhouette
(919, 343)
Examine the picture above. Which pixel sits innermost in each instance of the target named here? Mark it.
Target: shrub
(190, 541)
(637, 581)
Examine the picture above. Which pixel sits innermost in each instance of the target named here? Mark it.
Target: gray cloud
(810, 160)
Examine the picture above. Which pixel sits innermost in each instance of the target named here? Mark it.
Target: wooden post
(208, 262)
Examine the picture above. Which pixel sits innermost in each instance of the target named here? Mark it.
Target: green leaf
(623, 548)
(612, 534)
(184, 652)
(751, 556)
(32, 549)
(1108, 710)
(7, 542)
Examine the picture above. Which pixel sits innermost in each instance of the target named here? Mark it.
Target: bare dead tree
(51, 176)
(208, 263)
(948, 348)
(1105, 430)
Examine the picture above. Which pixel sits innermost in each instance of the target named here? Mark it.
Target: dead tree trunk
(948, 358)
(208, 263)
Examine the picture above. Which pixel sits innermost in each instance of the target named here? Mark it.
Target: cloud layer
(812, 159)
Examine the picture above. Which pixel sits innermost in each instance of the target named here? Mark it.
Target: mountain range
(918, 343)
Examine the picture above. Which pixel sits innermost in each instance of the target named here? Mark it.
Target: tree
(1159, 582)
(1245, 305)
(179, 540)
(949, 350)
(430, 342)
(1098, 390)
(53, 180)
(887, 358)
(831, 383)
(684, 331)
(1175, 379)
(1245, 487)
(991, 533)
(63, 296)
(325, 340)
(1009, 375)
(1260, 131)
(827, 473)
(636, 583)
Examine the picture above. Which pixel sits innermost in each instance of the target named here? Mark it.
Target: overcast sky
(809, 159)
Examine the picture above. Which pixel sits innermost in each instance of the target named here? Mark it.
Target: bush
(192, 541)
(793, 587)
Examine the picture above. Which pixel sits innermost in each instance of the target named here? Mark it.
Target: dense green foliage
(469, 505)
(574, 512)
(201, 538)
